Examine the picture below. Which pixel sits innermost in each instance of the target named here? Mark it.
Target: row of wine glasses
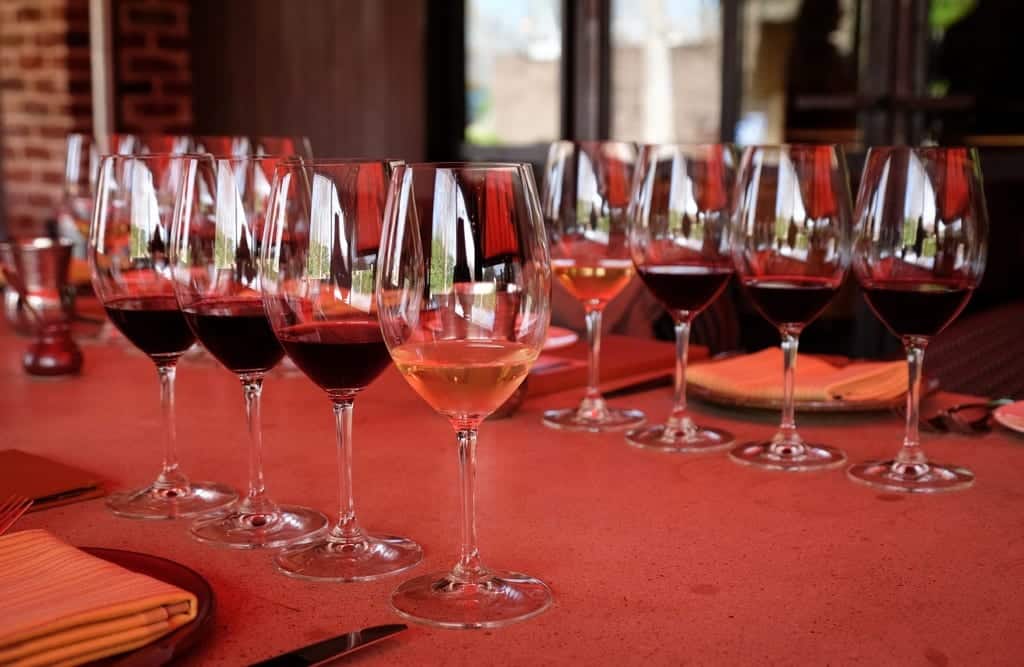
(343, 265)
(781, 221)
(83, 153)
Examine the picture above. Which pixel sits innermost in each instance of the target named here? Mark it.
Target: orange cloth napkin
(61, 606)
(759, 375)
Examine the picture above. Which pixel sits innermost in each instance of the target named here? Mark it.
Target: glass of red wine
(678, 242)
(790, 237)
(215, 240)
(464, 295)
(922, 238)
(131, 275)
(319, 260)
(586, 196)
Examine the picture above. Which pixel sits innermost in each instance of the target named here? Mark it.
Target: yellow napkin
(759, 376)
(61, 606)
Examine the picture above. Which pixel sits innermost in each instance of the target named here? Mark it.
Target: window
(666, 66)
(513, 71)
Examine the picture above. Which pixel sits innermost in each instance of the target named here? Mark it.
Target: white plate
(559, 338)
(1011, 416)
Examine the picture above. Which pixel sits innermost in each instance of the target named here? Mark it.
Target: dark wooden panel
(346, 73)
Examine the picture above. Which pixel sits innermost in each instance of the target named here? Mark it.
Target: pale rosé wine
(464, 379)
(599, 281)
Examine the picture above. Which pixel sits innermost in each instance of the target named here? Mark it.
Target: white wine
(465, 380)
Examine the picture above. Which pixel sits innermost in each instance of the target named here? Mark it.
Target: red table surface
(653, 558)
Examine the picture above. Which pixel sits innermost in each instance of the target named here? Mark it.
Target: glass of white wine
(587, 189)
(463, 297)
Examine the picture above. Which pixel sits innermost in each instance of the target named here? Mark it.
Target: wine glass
(297, 146)
(318, 260)
(790, 238)
(215, 250)
(586, 200)
(922, 237)
(463, 293)
(678, 242)
(81, 171)
(131, 276)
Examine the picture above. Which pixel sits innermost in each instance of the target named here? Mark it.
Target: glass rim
(289, 160)
(790, 145)
(189, 156)
(461, 164)
(903, 148)
(687, 144)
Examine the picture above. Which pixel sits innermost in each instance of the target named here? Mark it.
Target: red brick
(157, 108)
(49, 39)
(177, 88)
(174, 43)
(12, 84)
(44, 86)
(16, 176)
(130, 40)
(28, 14)
(152, 65)
(53, 178)
(40, 200)
(152, 17)
(31, 61)
(37, 153)
(83, 86)
(51, 132)
(12, 40)
(35, 107)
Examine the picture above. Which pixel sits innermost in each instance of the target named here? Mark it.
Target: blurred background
(499, 79)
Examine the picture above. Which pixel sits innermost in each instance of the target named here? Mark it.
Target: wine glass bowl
(922, 239)
(790, 237)
(678, 244)
(214, 249)
(587, 189)
(463, 294)
(318, 263)
(132, 277)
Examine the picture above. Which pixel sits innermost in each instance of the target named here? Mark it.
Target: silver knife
(328, 650)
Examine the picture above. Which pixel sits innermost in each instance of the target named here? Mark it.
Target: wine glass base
(922, 478)
(499, 599)
(663, 439)
(614, 419)
(814, 457)
(367, 559)
(161, 503)
(286, 525)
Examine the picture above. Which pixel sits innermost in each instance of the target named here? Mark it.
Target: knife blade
(329, 649)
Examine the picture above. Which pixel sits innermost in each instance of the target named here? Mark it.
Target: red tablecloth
(653, 558)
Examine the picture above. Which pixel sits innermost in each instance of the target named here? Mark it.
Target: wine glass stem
(169, 474)
(256, 500)
(910, 452)
(469, 568)
(787, 440)
(593, 319)
(347, 528)
(682, 349)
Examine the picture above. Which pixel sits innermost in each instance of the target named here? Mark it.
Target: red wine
(685, 287)
(154, 324)
(236, 332)
(791, 300)
(338, 355)
(916, 308)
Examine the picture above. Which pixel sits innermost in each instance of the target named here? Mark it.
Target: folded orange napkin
(759, 375)
(61, 606)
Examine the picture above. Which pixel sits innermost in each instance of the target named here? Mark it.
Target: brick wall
(153, 71)
(44, 94)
